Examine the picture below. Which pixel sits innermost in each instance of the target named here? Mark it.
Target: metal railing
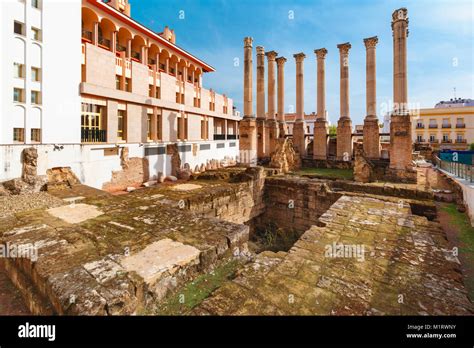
(460, 170)
(93, 136)
(219, 136)
(105, 42)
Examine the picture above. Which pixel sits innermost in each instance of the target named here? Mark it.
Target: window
(18, 70)
(432, 138)
(420, 124)
(117, 81)
(91, 126)
(158, 126)
(35, 74)
(35, 97)
(35, 4)
(150, 91)
(128, 84)
(18, 95)
(148, 122)
(36, 135)
(445, 138)
(433, 123)
(19, 134)
(204, 128)
(459, 138)
(19, 28)
(36, 34)
(122, 125)
(158, 93)
(419, 138)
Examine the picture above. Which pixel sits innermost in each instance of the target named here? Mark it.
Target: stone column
(299, 125)
(281, 96)
(262, 138)
(371, 123)
(401, 166)
(344, 125)
(247, 126)
(271, 129)
(321, 129)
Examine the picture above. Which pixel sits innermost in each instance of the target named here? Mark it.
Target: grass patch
(346, 174)
(466, 237)
(195, 292)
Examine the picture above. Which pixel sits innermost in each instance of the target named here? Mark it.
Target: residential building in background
(112, 84)
(449, 125)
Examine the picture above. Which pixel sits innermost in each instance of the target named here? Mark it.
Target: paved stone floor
(406, 268)
(112, 262)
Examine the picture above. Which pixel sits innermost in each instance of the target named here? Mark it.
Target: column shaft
(248, 102)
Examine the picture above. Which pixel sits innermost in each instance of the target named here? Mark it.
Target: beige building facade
(444, 127)
(140, 87)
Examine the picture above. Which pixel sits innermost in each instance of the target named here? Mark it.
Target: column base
(371, 137)
(299, 137)
(344, 139)
(262, 137)
(320, 142)
(248, 141)
(400, 143)
(282, 129)
(271, 129)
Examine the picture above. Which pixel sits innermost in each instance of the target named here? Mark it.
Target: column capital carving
(248, 41)
(281, 61)
(321, 53)
(400, 15)
(271, 55)
(260, 51)
(371, 42)
(299, 56)
(344, 47)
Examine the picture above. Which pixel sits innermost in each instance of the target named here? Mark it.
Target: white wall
(58, 55)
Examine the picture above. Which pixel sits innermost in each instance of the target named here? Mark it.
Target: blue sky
(440, 44)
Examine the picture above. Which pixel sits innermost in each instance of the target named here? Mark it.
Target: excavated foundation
(109, 255)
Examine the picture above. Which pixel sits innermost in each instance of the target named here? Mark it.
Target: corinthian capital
(299, 57)
(344, 47)
(371, 42)
(271, 55)
(321, 53)
(248, 41)
(260, 50)
(281, 61)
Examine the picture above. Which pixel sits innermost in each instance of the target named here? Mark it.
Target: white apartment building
(81, 80)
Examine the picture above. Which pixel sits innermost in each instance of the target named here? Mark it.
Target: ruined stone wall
(295, 203)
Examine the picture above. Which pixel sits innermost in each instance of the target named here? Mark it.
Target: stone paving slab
(100, 264)
(384, 261)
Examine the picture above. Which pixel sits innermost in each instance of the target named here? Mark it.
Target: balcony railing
(231, 136)
(420, 126)
(433, 126)
(105, 42)
(461, 141)
(420, 141)
(434, 141)
(446, 125)
(86, 35)
(93, 136)
(219, 136)
(446, 141)
(460, 125)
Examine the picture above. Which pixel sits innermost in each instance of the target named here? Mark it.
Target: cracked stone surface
(407, 268)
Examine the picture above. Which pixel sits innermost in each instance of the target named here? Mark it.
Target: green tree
(332, 130)
(471, 147)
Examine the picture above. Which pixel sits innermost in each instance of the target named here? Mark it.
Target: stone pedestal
(320, 142)
(262, 135)
(298, 137)
(401, 165)
(282, 129)
(248, 141)
(271, 135)
(344, 139)
(371, 138)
